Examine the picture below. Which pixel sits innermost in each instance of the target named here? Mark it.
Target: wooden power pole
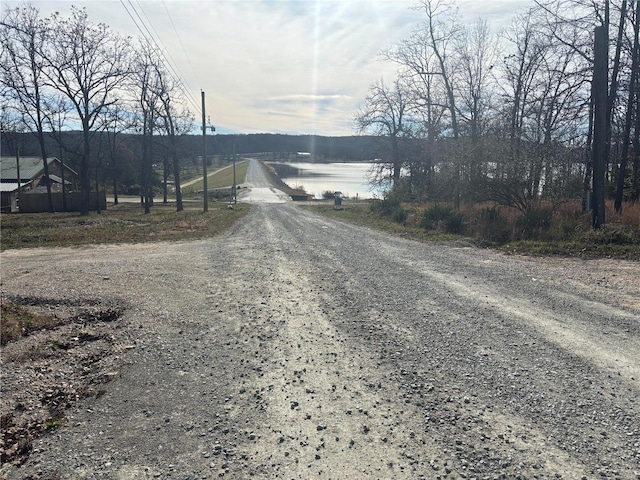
(204, 158)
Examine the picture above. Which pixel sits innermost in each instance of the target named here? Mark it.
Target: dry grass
(566, 231)
(18, 322)
(123, 223)
(221, 179)
(630, 215)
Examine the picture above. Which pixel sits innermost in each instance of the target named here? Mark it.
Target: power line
(168, 62)
(149, 38)
(186, 54)
(169, 59)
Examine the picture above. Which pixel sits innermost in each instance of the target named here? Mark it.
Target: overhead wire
(187, 90)
(167, 60)
(186, 54)
(149, 38)
(167, 56)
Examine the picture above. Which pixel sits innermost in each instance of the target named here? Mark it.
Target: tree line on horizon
(508, 117)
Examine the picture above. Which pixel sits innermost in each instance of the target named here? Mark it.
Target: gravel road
(296, 346)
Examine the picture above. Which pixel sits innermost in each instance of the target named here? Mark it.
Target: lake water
(352, 179)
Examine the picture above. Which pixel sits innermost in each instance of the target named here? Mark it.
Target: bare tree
(523, 127)
(476, 51)
(428, 104)
(635, 175)
(88, 63)
(59, 108)
(631, 103)
(440, 31)
(476, 48)
(148, 90)
(384, 114)
(24, 36)
(175, 123)
(115, 120)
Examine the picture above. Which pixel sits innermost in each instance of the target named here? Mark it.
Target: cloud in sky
(288, 66)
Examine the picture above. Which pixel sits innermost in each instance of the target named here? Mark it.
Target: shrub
(536, 218)
(491, 225)
(386, 207)
(400, 215)
(612, 235)
(454, 222)
(491, 214)
(567, 224)
(328, 195)
(390, 208)
(432, 217)
(535, 223)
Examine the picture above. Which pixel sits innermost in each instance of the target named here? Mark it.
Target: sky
(276, 66)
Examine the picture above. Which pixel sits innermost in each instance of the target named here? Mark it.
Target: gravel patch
(296, 346)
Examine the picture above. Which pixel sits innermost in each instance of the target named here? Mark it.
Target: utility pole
(204, 158)
(19, 193)
(234, 191)
(204, 155)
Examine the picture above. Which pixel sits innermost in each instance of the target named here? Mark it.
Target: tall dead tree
(601, 113)
(442, 29)
(174, 124)
(383, 114)
(147, 89)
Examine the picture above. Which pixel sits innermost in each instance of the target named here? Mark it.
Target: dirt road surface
(297, 346)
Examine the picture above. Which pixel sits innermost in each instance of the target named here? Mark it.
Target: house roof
(11, 186)
(30, 167)
(57, 179)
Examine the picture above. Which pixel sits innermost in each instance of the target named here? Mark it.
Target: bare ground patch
(55, 354)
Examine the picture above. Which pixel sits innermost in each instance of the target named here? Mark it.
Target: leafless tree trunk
(633, 82)
(24, 37)
(114, 120)
(477, 55)
(59, 111)
(635, 176)
(441, 30)
(88, 63)
(147, 86)
(599, 92)
(174, 125)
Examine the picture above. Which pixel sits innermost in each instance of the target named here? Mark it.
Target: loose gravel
(296, 346)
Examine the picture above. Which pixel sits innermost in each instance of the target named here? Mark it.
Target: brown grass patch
(18, 322)
(123, 223)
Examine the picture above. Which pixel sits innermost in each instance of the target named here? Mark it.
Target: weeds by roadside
(123, 223)
(17, 322)
(543, 231)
